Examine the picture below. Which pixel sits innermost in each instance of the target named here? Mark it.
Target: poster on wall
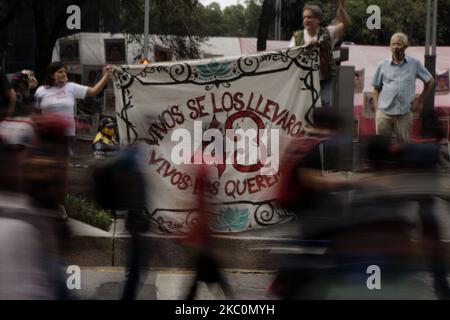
(69, 51)
(442, 82)
(359, 81)
(355, 130)
(369, 110)
(115, 51)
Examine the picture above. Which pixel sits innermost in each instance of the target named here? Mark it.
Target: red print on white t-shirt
(60, 95)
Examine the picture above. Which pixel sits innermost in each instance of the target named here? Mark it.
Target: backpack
(119, 183)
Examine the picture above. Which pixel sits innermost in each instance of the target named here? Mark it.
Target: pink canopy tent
(248, 45)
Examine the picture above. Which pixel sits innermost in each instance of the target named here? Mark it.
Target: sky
(223, 3)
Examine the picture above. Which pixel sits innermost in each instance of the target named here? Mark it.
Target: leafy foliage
(176, 21)
(232, 21)
(85, 211)
(408, 16)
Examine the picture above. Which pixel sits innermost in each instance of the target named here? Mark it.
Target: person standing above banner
(394, 85)
(326, 39)
(57, 95)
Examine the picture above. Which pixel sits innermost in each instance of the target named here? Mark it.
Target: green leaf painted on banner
(231, 219)
(214, 69)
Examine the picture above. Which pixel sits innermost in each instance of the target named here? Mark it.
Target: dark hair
(18, 79)
(315, 10)
(51, 69)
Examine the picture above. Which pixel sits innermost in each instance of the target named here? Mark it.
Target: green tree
(50, 18)
(212, 20)
(408, 16)
(50, 24)
(8, 9)
(234, 21)
(443, 23)
(402, 15)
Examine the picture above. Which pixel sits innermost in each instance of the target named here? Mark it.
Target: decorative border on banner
(215, 74)
(231, 216)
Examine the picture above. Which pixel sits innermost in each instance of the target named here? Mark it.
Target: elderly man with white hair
(394, 85)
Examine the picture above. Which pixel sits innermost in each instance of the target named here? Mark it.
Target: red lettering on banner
(290, 123)
(238, 99)
(252, 187)
(191, 105)
(236, 188)
(153, 159)
(201, 106)
(177, 178)
(261, 98)
(260, 182)
(271, 180)
(166, 166)
(215, 109)
(250, 102)
(230, 102)
(283, 120)
(269, 103)
(277, 115)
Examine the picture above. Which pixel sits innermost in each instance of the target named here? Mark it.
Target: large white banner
(181, 110)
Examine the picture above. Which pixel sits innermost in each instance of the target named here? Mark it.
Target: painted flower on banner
(231, 219)
(214, 70)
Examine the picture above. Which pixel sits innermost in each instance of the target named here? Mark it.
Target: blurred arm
(342, 20)
(12, 101)
(376, 95)
(314, 179)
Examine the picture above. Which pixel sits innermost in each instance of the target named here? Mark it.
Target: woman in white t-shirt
(57, 95)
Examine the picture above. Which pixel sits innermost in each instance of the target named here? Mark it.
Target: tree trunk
(266, 19)
(12, 10)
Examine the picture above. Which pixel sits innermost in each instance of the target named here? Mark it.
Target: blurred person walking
(120, 185)
(31, 220)
(200, 238)
(314, 194)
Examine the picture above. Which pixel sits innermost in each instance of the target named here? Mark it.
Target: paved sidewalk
(172, 284)
(246, 250)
